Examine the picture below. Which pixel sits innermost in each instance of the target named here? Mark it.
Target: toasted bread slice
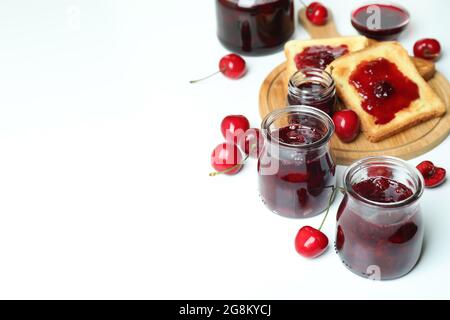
(427, 106)
(294, 47)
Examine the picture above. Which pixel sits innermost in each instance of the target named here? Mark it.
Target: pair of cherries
(227, 157)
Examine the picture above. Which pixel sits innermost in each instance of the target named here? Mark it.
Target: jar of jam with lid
(379, 222)
(254, 27)
(313, 87)
(296, 168)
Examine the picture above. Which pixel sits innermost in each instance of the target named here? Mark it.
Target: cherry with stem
(311, 242)
(217, 173)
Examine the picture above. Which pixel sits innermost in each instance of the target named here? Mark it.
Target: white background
(104, 162)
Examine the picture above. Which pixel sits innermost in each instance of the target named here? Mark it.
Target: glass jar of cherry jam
(379, 222)
(296, 168)
(254, 27)
(313, 87)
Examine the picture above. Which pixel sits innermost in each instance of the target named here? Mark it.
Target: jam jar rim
(274, 115)
(368, 3)
(415, 174)
(324, 74)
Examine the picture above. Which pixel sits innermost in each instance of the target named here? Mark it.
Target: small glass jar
(254, 27)
(313, 87)
(296, 168)
(380, 240)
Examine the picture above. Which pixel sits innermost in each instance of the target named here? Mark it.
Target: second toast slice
(388, 101)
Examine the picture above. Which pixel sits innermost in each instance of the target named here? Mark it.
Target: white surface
(104, 187)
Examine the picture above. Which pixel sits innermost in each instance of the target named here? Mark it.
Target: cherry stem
(213, 174)
(211, 75)
(331, 70)
(303, 4)
(330, 202)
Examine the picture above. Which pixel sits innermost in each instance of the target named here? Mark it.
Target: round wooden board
(406, 145)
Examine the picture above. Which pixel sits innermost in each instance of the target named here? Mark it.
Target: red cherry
(317, 13)
(432, 175)
(234, 127)
(310, 242)
(426, 168)
(252, 142)
(427, 49)
(231, 66)
(226, 159)
(347, 125)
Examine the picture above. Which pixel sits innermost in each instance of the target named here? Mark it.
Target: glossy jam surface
(254, 27)
(314, 94)
(383, 190)
(393, 20)
(298, 135)
(384, 89)
(379, 243)
(302, 182)
(319, 56)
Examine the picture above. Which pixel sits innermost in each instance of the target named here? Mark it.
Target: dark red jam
(303, 182)
(381, 189)
(392, 21)
(314, 94)
(297, 134)
(319, 56)
(376, 242)
(384, 89)
(254, 27)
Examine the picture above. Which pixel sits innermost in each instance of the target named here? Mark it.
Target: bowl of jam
(380, 230)
(380, 20)
(296, 169)
(254, 27)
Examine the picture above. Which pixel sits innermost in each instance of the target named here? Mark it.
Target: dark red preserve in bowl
(380, 21)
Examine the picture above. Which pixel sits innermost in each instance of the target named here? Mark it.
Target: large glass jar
(254, 27)
(379, 222)
(296, 168)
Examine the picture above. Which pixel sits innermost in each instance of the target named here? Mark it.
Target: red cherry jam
(296, 169)
(298, 135)
(379, 231)
(254, 27)
(381, 189)
(380, 21)
(313, 87)
(384, 89)
(319, 56)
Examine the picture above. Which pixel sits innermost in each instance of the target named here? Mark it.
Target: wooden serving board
(406, 145)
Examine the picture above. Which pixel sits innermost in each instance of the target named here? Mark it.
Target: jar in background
(313, 87)
(379, 223)
(296, 169)
(254, 27)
